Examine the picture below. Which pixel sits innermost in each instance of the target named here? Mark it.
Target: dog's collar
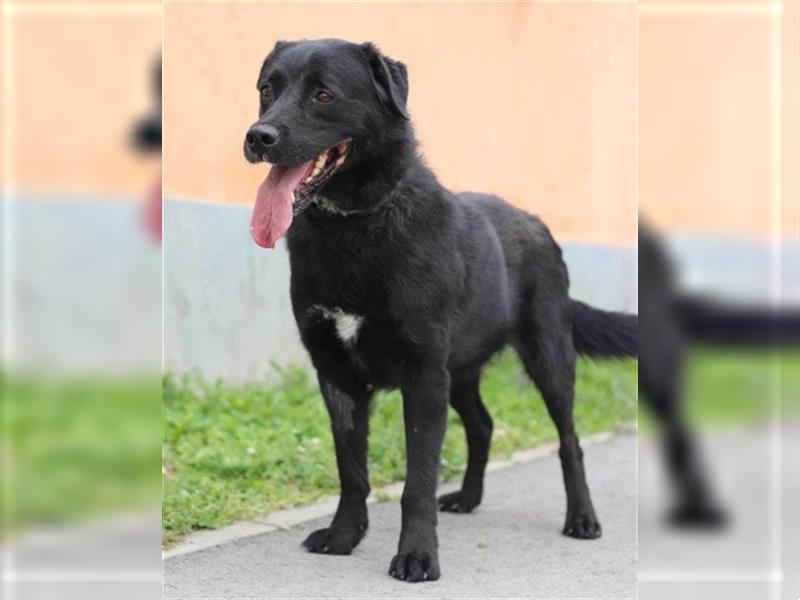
(329, 208)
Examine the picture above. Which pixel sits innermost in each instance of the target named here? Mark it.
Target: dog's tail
(710, 321)
(603, 333)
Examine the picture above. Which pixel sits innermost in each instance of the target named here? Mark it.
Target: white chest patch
(347, 325)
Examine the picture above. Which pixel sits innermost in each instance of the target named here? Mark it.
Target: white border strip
(83, 576)
(685, 9)
(710, 576)
(9, 308)
(93, 9)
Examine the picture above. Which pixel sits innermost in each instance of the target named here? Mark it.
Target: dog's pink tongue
(272, 213)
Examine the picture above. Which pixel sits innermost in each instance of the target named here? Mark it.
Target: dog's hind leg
(695, 505)
(546, 348)
(465, 398)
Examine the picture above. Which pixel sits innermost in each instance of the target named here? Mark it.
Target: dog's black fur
(441, 281)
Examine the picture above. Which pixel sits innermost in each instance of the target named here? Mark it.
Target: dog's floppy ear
(390, 79)
(279, 45)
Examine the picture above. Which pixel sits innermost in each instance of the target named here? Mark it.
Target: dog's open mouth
(288, 190)
(320, 170)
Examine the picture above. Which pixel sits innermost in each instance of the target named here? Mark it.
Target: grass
(738, 387)
(742, 387)
(233, 453)
(77, 447)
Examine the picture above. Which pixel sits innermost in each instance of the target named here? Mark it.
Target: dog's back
(529, 251)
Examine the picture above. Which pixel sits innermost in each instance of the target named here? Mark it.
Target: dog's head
(146, 133)
(325, 105)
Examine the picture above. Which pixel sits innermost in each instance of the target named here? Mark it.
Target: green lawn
(738, 387)
(240, 452)
(75, 447)
(78, 447)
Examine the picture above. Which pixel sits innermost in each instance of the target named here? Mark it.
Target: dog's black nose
(262, 135)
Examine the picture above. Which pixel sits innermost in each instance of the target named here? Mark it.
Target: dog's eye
(266, 91)
(324, 97)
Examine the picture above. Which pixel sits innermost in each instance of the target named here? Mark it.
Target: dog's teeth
(307, 179)
(339, 161)
(321, 160)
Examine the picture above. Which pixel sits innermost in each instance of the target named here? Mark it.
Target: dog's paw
(414, 567)
(704, 515)
(458, 502)
(332, 541)
(583, 525)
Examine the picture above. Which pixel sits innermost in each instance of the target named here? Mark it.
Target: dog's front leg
(425, 412)
(349, 422)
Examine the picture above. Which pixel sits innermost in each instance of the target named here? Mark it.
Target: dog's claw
(331, 541)
(414, 567)
(458, 502)
(583, 527)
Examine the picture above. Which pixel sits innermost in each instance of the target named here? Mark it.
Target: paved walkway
(511, 546)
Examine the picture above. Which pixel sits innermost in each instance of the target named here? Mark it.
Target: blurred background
(81, 302)
(719, 268)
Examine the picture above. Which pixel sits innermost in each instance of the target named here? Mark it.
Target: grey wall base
(226, 301)
(83, 286)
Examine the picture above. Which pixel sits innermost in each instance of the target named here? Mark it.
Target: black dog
(400, 283)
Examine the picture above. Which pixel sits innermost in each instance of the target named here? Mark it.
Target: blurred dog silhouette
(146, 134)
(671, 321)
(146, 139)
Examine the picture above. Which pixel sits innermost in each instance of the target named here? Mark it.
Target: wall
(551, 128)
(79, 77)
(719, 96)
(83, 281)
(533, 101)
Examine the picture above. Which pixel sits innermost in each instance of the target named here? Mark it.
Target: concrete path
(114, 557)
(755, 473)
(510, 547)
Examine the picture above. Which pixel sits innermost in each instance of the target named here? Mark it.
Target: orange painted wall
(718, 110)
(534, 101)
(559, 141)
(79, 78)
